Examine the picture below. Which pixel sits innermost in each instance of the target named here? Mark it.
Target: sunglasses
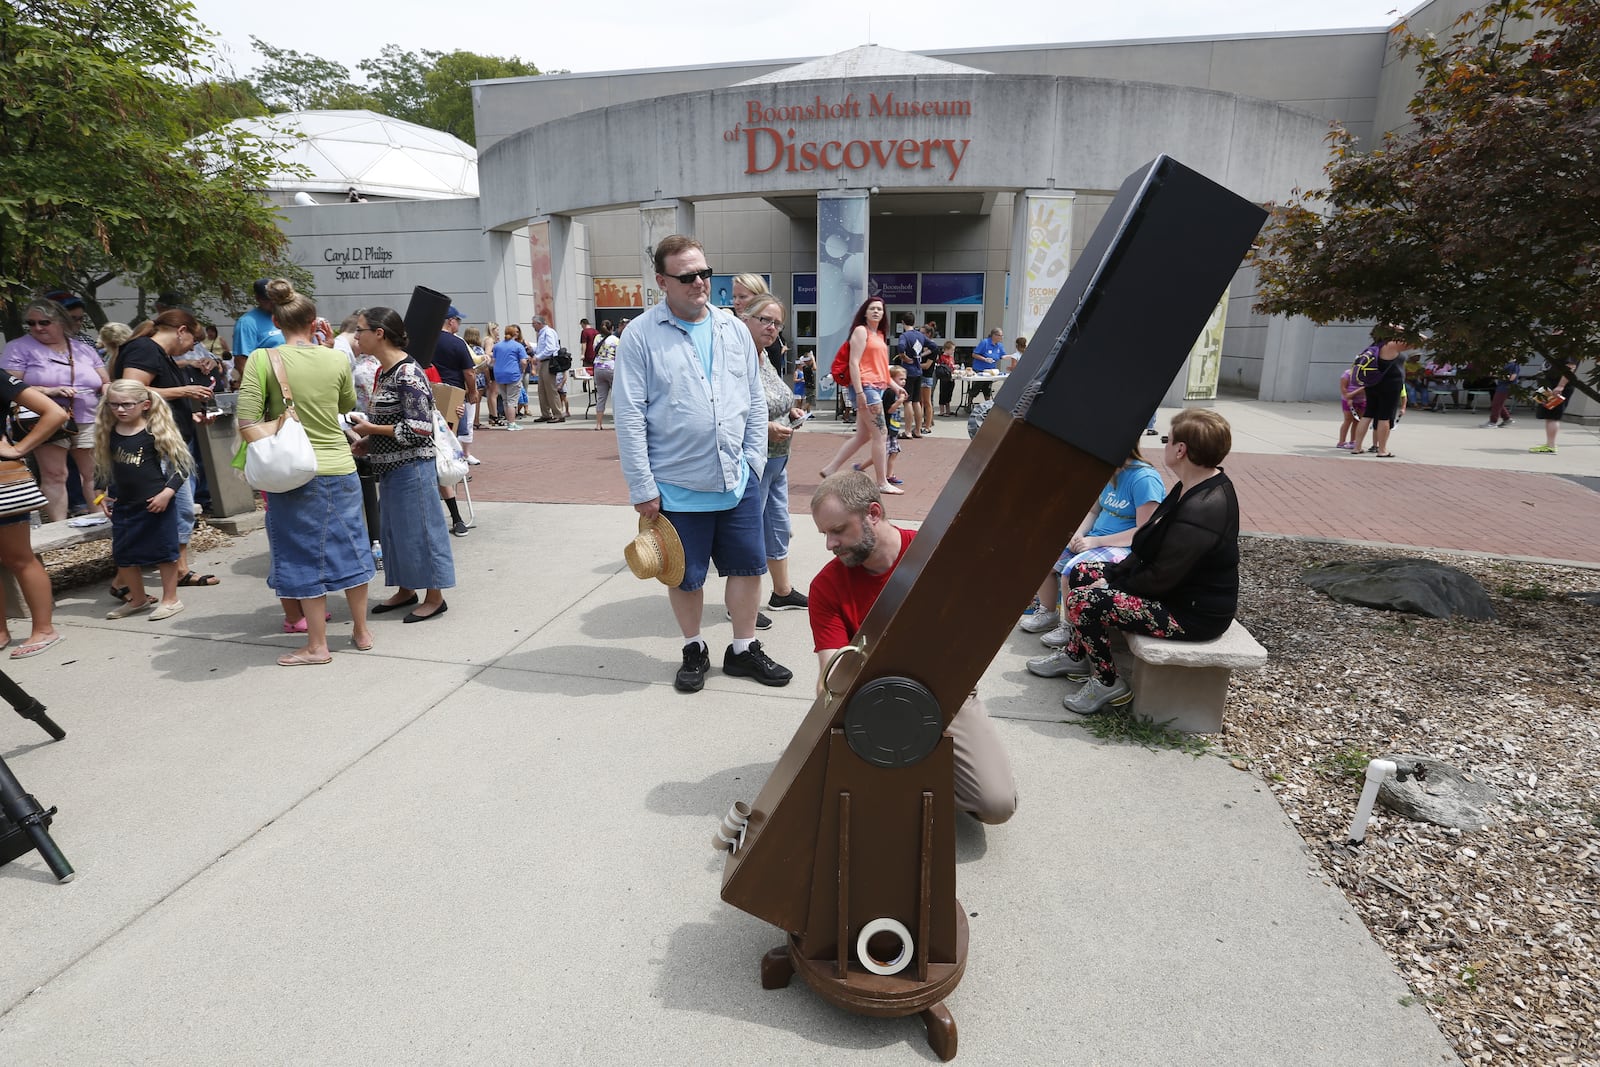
(689, 279)
(37, 324)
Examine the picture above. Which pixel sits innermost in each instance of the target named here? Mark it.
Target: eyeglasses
(38, 324)
(123, 403)
(774, 323)
(689, 279)
(368, 329)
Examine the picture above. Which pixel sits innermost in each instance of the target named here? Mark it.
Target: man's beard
(858, 553)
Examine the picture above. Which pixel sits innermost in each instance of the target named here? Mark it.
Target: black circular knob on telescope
(893, 722)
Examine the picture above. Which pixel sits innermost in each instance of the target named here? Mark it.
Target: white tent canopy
(374, 154)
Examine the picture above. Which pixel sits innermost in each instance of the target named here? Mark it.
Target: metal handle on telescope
(25, 811)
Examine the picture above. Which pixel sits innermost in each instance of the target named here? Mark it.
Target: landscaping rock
(1420, 587)
(1444, 795)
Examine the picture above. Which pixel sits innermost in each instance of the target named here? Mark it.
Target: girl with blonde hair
(140, 455)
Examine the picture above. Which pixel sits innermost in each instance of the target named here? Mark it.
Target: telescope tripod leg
(776, 968)
(941, 1031)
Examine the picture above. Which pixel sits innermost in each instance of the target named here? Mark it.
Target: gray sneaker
(1059, 664)
(1039, 622)
(1095, 696)
(1060, 637)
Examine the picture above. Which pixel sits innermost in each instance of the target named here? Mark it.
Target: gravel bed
(1494, 930)
(89, 563)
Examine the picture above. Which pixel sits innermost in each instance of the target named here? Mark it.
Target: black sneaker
(692, 675)
(793, 600)
(753, 663)
(762, 622)
(459, 529)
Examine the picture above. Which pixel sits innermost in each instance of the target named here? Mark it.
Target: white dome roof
(378, 155)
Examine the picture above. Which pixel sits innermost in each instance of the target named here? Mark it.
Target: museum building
(960, 185)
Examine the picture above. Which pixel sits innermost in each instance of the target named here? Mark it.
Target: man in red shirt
(587, 335)
(848, 511)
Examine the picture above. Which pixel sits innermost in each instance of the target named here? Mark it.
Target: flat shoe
(892, 490)
(385, 608)
(444, 606)
(166, 611)
(295, 659)
(131, 608)
(24, 651)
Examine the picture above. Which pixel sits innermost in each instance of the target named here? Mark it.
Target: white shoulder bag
(449, 459)
(278, 454)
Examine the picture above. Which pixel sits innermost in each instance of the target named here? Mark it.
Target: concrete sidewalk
(487, 841)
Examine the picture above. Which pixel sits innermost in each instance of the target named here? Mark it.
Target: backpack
(841, 365)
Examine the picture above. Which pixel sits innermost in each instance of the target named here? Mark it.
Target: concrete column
(842, 218)
(1041, 255)
(504, 306)
(658, 220)
(1284, 362)
(556, 285)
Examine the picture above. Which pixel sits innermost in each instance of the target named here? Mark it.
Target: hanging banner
(1047, 252)
(841, 268)
(544, 286)
(1205, 358)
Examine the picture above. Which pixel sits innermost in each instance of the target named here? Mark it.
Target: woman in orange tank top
(869, 375)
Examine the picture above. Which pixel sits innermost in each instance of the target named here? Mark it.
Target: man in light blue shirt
(691, 422)
(546, 343)
(255, 329)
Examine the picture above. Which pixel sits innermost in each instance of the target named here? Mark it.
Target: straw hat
(656, 552)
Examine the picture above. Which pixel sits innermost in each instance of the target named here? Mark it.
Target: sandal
(892, 490)
(120, 592)
(295, 659)
(36, 647)
(192, 578)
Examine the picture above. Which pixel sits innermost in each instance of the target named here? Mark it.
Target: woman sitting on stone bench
(1181, 579)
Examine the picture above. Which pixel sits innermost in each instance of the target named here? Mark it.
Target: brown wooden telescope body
(856, 822)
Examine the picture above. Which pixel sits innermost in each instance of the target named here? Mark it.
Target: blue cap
(452, 313)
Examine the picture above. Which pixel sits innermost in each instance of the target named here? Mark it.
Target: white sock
(741, 645)
(696, 640)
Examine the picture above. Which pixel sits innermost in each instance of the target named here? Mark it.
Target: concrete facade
(601, 162)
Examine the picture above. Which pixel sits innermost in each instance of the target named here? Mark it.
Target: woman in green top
(316, 533)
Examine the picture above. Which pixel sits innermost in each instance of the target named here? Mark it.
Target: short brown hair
(1204, 433)
(671, 246)
(855, 491)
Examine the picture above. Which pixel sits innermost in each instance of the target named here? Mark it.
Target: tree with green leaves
(117, 166)
(432, 89)
(1481, 220)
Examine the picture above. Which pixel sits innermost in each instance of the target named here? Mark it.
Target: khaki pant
(549, 399)
(984, 784)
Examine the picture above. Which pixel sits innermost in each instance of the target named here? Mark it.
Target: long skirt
(318, 539)
(412, 528)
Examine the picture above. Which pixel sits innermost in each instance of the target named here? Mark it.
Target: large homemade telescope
(850, 845)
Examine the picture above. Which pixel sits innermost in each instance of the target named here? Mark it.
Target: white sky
(626, 34)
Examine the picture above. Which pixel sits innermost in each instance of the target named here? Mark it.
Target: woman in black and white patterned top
(398, 437)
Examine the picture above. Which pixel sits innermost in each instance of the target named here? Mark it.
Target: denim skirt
(142, 538)
(318, 538)
(412, 528)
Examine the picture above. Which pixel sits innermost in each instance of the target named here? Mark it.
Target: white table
(964, 404)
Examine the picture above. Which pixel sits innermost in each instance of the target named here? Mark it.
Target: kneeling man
(848, 511)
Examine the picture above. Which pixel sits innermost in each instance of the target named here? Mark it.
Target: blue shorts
(872, 393)
(732, 538)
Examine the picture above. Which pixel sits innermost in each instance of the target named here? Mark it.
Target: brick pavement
(1340, 497)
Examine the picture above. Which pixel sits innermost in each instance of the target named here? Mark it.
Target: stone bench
(48, 538)
(1185, 683)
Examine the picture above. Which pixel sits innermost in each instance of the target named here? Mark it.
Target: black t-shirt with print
(142, 353)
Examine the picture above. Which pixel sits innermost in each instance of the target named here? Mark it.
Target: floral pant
(1094, 612)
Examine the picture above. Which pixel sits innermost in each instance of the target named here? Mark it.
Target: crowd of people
(1383, 382)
